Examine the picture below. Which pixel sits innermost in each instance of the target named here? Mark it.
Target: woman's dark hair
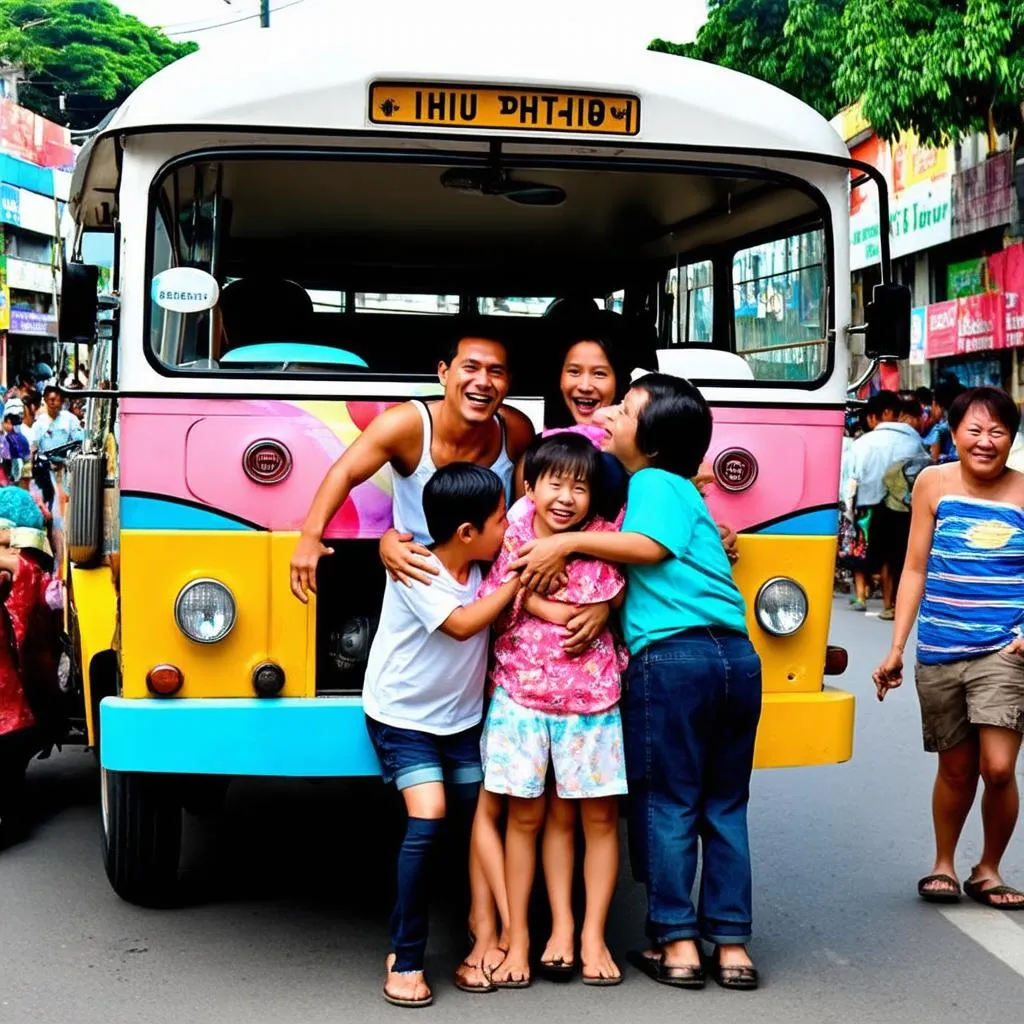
(674, 428)
(458, 493)
(602, 328)
(995, 401)
(565, 454)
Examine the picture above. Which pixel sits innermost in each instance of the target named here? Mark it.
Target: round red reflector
(735, 470)
(164, 680)
(267, 462)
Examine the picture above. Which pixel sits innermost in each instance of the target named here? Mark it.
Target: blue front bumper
(293, 736)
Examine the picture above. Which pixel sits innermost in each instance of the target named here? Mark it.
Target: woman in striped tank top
(965, 573)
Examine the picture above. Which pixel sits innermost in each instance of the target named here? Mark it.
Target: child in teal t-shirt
(692, 694)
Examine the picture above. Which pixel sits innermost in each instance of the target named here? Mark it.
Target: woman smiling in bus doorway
(965, 572)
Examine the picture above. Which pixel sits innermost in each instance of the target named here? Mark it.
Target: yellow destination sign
(546, 110)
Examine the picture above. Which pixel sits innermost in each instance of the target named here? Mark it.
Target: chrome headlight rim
(762, 619)
(183, 593)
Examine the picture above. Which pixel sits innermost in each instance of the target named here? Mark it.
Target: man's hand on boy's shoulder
(405, 560)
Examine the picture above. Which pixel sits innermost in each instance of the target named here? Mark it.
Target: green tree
(940, 67)
(793, 44)
(86, 50)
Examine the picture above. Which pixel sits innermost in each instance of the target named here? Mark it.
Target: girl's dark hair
(674, 428)
(565, 454)
(997, 402)
(458, 493)
(601, 328)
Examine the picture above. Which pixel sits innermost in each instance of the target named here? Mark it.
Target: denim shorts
(410, 758)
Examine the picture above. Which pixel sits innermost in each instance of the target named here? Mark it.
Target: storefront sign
(967, 278)
(940, 334)
(1006, 270)
(979, 326)
(38, 213)
(918, 331)
(10, 205)
(30, 137)
(28, 276)
(29, 321)
(920, 199)
(983, 196)
(5, 295)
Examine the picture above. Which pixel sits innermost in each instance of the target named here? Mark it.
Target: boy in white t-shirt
(423, 693)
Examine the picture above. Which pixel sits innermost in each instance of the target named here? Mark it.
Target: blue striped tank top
(974, 592)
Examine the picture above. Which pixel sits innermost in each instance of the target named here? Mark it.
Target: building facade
(954, 232)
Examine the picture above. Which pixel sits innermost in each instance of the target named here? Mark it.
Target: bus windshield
(364, 265)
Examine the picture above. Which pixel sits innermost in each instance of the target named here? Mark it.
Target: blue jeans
(690, 709)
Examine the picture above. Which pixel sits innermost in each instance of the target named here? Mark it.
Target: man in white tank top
(468, 424)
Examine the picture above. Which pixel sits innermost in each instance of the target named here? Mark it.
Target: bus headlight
(205, 611)
(781, 606)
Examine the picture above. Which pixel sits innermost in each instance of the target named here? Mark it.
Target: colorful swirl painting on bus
(182, 466)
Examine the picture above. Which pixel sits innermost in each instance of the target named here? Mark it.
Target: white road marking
(997, 933)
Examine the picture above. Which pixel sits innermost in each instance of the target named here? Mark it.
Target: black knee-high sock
(409, 919)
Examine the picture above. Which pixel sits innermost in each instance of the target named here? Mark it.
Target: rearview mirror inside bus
(888, 322)
(76, 321)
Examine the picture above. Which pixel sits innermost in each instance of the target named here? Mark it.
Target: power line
(234, 21)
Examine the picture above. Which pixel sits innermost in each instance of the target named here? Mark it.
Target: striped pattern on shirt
(974, 591)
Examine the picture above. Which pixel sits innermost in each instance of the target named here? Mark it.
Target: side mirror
(888, 323)
(79, 301)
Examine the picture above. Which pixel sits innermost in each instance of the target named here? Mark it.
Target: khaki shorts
(959, 695)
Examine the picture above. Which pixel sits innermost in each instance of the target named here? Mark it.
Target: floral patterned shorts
(520, 743)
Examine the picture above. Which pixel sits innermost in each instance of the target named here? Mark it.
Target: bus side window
(692, 289)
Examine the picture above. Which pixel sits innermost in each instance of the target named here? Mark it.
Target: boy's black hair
(910, 407)
(924, 396)
(458, 493)
(882, 402)
(52, 389)
(565, 454)
(674, 428)
(473, 327)
(998, 403)
(947, 391)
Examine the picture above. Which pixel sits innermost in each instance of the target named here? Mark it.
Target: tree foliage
(790, 43)
(87, 50)
(939, 67)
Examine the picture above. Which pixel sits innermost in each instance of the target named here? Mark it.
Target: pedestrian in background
(939, 439)
(887, 441)
(892, 524)
(965, 572)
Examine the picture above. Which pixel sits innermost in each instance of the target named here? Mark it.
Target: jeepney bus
(400, 188)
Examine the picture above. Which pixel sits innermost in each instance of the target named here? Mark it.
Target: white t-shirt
(416, 676)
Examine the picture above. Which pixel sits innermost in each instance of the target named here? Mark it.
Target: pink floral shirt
(529, 663)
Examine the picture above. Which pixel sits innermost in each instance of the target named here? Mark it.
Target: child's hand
(585, 627)
(541, 565)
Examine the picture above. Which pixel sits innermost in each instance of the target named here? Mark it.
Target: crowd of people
(887, 444)
(498, 696)
(38, 435)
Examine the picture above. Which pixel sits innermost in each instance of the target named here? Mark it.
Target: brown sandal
(474, 989)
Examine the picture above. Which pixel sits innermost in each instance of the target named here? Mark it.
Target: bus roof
(322, 85)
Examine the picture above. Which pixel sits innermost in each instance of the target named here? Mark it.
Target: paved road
(289, 923)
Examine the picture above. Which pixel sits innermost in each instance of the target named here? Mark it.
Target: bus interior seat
(700, 363)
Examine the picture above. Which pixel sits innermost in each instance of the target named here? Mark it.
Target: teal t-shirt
(692, 587)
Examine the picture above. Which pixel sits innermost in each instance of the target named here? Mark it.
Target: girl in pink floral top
(550, 710)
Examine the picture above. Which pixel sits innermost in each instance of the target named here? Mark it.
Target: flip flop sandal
(557, 969)
(738, 978)
(984, 896)
(939, 895)
(412, 1004)
(598, 982)
(692, 977)
(465, 986)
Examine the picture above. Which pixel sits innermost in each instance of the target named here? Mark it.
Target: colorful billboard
(920, 185)
(30, 137)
